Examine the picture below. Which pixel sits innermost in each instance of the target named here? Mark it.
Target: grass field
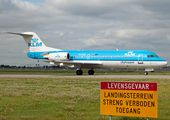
(65, 99)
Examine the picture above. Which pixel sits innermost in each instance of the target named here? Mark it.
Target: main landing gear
(91, 72)
(80, 72)
(145, 73)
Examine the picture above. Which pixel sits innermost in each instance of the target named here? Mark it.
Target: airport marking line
(137, 99)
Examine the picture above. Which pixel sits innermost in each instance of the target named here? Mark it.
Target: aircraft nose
(164, 63)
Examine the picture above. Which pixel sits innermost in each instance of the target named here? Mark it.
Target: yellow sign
(129, 99)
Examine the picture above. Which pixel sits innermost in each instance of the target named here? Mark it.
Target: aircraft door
(140, 59)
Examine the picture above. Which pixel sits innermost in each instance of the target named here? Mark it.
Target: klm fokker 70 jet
(90, 59)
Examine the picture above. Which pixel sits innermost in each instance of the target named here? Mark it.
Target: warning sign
(129, 99)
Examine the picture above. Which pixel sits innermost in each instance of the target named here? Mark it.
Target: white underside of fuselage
(134, 64)
(112, 64)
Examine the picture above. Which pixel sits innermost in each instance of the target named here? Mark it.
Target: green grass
(65, 98)
(73, 72)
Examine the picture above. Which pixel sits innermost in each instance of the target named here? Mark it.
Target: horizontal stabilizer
(22, 34)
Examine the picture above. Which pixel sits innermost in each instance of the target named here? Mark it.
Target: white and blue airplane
(90, 59)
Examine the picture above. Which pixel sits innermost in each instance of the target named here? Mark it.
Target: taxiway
(92, 76)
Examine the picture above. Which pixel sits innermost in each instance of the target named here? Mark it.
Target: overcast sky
(85, 25)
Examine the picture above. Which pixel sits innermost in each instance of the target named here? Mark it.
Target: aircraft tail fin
(33, 42)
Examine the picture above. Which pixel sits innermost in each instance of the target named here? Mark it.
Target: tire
(145, 73)
(79, 72)
(91, 72)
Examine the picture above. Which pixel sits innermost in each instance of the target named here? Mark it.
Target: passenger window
(116, 56)
(121, 56)
(102, 56)
(108, 56)
(113, 56)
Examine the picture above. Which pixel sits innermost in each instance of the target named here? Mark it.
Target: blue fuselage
(104, 55)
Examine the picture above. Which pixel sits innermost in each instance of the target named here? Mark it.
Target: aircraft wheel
(79, 72)
(91, 72)
(145, 73)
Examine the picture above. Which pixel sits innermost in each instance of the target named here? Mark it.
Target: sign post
(129, 99)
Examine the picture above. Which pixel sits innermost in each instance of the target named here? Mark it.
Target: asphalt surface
(93, 76)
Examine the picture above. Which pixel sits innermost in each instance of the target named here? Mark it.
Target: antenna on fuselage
(116, 49)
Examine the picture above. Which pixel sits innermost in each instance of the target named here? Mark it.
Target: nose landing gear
(145, 73)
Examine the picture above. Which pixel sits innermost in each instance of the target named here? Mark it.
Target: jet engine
(57, 56)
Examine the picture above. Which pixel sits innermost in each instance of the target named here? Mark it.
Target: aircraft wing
(84, 64)
(81, 62)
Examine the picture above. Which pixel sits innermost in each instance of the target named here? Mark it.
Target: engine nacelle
(57, 56)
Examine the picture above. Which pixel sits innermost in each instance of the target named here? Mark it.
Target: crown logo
(34, 40)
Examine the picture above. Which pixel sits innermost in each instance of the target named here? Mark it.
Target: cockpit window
(149, 56)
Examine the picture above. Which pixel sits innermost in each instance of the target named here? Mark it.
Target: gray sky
(85, 25)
